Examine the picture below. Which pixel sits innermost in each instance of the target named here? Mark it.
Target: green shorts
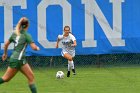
(15, 63)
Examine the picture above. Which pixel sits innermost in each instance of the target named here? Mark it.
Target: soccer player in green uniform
(21, 39)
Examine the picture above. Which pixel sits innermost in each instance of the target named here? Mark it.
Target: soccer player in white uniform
(68, 48)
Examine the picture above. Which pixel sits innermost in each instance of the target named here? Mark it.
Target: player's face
(67, 30)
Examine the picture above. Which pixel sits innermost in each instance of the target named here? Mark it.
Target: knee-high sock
(71, 63)
(69, 66)
(33, 88)
(1, 81)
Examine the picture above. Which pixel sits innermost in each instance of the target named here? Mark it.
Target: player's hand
(73, 45)
(38, 48)
(56, 46)
(4, 57)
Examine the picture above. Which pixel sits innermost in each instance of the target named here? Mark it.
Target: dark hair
(25, 23)
(66, 27)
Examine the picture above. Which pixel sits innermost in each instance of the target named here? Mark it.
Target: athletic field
(87, 80)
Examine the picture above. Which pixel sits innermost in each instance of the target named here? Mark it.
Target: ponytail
(22, 24)
(18, 28)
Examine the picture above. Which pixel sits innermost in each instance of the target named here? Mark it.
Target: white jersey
(66, 44)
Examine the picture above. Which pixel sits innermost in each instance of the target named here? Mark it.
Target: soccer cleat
(73, 70)
(68, 74)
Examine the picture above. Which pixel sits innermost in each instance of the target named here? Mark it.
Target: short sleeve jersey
(67, 42)
(20, 44)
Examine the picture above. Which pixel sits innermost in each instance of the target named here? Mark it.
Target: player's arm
(74, 43)
(58, 39)
(34, 46)
(4, 56)
(57, 42)
(30, 41)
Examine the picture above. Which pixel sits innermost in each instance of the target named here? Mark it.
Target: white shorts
(71, 53)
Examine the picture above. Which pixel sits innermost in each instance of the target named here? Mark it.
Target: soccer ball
(59, 75)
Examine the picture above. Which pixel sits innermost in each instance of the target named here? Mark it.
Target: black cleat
(73, 70)
(74, 73)
(68, 74)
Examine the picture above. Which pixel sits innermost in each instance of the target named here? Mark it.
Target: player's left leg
(70, 63)
(9, 74)
(27, 71)
(72, 66)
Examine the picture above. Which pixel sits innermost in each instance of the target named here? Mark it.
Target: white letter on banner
(113, 35)
(41, 9)
(8, 16)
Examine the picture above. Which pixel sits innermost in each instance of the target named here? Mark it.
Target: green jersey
(20, 44)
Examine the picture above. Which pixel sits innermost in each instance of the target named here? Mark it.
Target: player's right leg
(27, 71)
(72, 66)
(9, 74)
(70, 63)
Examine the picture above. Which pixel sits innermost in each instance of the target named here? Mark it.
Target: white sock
(68, 67)
(71, 63)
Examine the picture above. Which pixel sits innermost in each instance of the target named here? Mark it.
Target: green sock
(1, 81)
(33, 88)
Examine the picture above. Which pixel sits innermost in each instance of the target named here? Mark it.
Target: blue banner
(100, 26)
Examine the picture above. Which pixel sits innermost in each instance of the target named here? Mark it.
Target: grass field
(87, 80)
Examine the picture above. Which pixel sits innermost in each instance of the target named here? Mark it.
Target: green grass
(87, 80)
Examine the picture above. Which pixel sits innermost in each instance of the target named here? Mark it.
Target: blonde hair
(22, 24)
(17, 30)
